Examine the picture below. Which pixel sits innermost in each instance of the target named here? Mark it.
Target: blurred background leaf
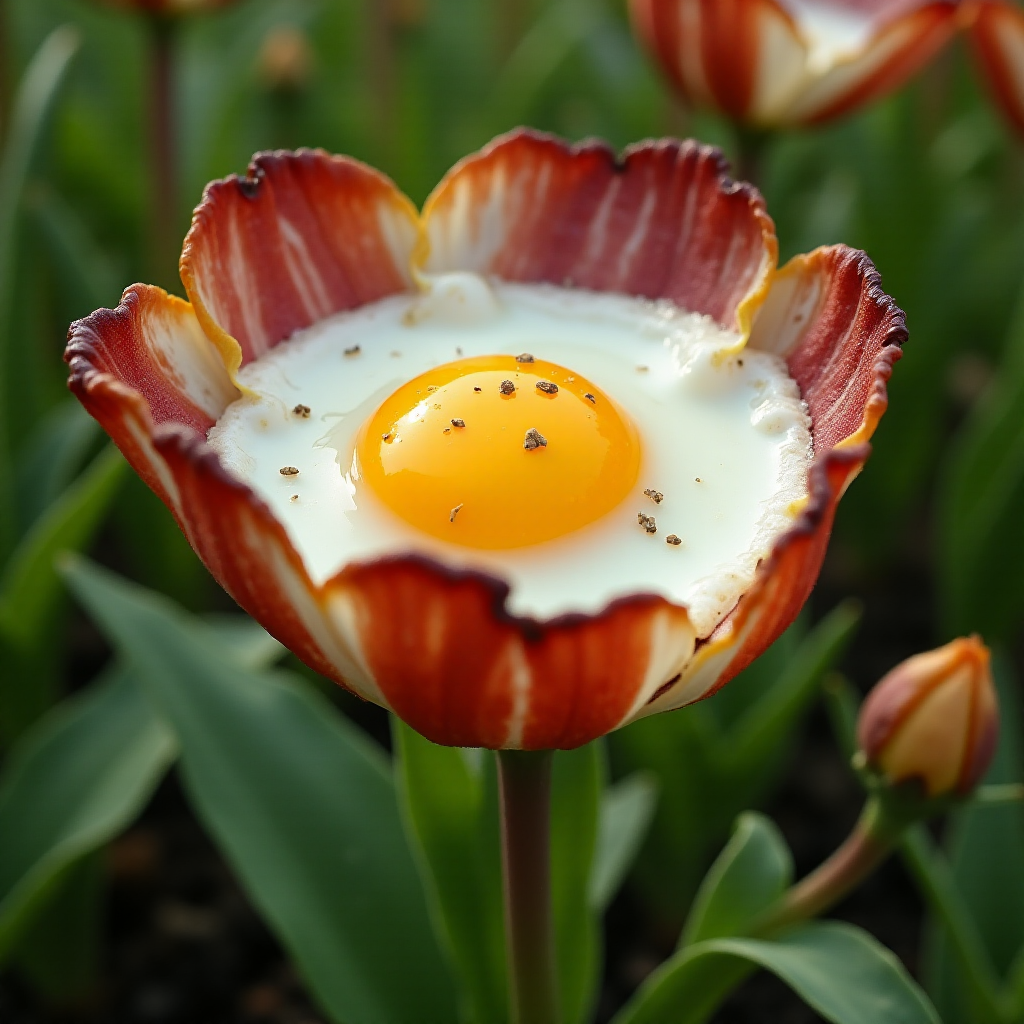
(301, 803)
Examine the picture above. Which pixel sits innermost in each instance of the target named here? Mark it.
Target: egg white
(725, 435)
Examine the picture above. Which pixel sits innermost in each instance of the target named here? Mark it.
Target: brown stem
(162, 148)
(863, 851)
(751, 145)
(512, 17)
(525, 778)
(383, 64)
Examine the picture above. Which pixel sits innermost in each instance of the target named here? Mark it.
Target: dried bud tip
(934, 718)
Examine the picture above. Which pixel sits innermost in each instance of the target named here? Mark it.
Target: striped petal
(301, 236)
(840, 335)
(771, 63)
(662, 221)
(305, 235)
(997, 34)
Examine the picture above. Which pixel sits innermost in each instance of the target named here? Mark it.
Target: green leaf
(981, 507)
(86, 272)
(71, 784)
(302, 805)
(840, 971)
(627, 809)
(985, 844)
(576, 785)
(764, 731)
(52, 456)
(449, 802)
(719, 757)
(29, 117)
(30, 587)
(58, 949)
(750, 874)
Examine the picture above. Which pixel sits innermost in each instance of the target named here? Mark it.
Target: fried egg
(580, 446)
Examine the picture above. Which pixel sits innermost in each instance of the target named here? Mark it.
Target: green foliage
(302, 805)
(30, 116)
(449, 799)
(981, 504)
(986, 870)
(576, 784)
(838, 970)
(750, 874)
(71, 784)
(450, 803)
(627, 811)
(718, 757)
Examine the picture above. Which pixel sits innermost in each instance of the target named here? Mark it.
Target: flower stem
(525, 778)
(751, 146)
(863, 850)
(162, 148)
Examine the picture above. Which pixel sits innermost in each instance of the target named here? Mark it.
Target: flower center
(499, 452)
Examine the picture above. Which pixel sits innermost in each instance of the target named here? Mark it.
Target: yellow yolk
(491, 483)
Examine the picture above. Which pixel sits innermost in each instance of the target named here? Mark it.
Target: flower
(997, 35)
(304, 235)
(935, 719)
(773, 63)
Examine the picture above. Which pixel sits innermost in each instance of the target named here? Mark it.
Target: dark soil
(184, 945)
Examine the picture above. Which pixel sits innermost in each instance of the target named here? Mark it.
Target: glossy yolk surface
(479, 485)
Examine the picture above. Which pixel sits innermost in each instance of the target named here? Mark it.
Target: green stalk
(931, 872)
(866, 847)
(29, 118)
(525, 780)
(751, 147)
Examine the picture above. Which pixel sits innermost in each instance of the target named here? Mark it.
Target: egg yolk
(498, 452)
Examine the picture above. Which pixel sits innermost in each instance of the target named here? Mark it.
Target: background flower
(769, 63)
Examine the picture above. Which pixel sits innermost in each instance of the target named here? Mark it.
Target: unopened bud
(933, 718)
(286, 59)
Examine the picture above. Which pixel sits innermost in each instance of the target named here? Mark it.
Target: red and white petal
(453, 664)
(997, 34)
(769, 63)
(160, 430)
(895, 51)
(840, 335)
(435, 645)
(301, 236)
(662, 221)
(734, 55)
(153, 344)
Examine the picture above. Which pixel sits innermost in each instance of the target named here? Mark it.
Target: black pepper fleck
(656, 496)
(458, 422)
(590, 398)
(301, 410)
(647, 522)
(673, 540)
(506, 387)
(524, 357)
(534, 439)
(353, 351)
(289, 471)
(547, 387)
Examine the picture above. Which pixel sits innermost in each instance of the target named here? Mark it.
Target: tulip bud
(286, 59)
(934, 718)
